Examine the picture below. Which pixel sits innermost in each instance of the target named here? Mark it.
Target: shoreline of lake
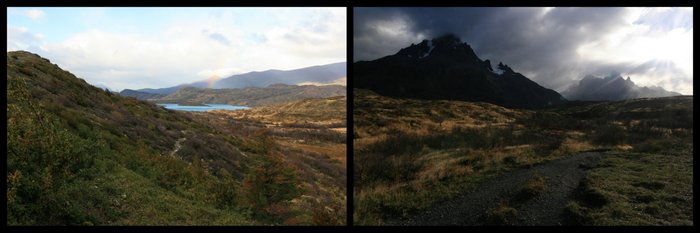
(203, 108)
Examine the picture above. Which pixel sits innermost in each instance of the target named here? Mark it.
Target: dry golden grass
(411, 153)
(501, 215)
(442, 172)
(334, 150)
(312, 136)
(440, 165)
(320, 111)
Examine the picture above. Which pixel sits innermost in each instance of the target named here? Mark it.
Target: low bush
(501, 215)
(608, 135)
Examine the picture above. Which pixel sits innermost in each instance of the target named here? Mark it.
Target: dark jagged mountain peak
(447, 68)
(446, 47)
(505, 68)
(448, 39)
(449, 42)
(612, 87)
(419, 50)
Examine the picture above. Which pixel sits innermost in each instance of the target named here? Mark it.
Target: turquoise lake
(203, 108)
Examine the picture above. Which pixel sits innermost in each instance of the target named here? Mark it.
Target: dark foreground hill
(446, 68)
(78, 155)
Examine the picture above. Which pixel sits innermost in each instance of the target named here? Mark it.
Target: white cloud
(190, 50)
(137, 61)
(34, 14)
(20, 38)
(654, 56)
(221, 73)
(320, 38)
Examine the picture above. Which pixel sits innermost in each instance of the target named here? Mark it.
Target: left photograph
(176, 116)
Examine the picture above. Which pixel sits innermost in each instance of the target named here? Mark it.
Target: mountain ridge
(314, 74)
(250, 96)
(612, 87)
(446, 68)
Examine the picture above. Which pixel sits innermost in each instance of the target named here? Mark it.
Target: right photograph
(522, 116)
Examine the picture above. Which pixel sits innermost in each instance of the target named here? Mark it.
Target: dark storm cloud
(539, 43)
(379, 32)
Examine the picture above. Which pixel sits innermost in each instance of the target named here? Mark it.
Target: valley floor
(428, 162)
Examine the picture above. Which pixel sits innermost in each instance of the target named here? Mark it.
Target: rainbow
(211, 81)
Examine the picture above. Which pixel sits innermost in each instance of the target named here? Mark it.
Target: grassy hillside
(411, 154)
(330, 110)
(134, 163)
(312, 135)
(649, 181)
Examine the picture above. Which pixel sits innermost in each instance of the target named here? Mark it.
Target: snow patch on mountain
(430, 49)
(496, 70)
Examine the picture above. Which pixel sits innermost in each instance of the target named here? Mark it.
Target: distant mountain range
(251, 96)
(612, 87)
(446, 68)
(323, 74)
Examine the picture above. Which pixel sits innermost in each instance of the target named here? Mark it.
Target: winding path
(178, 145)
(562, 177)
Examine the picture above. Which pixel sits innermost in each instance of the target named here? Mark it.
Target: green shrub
(329, 212)
(226, 190)
(376, 168)
(501, 215)
(608, 135)
(268, 187)
(655, 145)
(533, 187)
(260, 142)
(548, 143)
(575, 214)
(44, 159)
(397, 143)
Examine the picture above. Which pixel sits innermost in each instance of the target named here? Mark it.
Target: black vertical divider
(349, 132)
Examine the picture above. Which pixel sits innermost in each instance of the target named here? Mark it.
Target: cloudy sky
(555, 47)
(162, 47)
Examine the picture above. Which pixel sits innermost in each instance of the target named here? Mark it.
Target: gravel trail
(562, 177)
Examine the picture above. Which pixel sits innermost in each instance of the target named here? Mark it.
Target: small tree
(269, 185)
(225, 189)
